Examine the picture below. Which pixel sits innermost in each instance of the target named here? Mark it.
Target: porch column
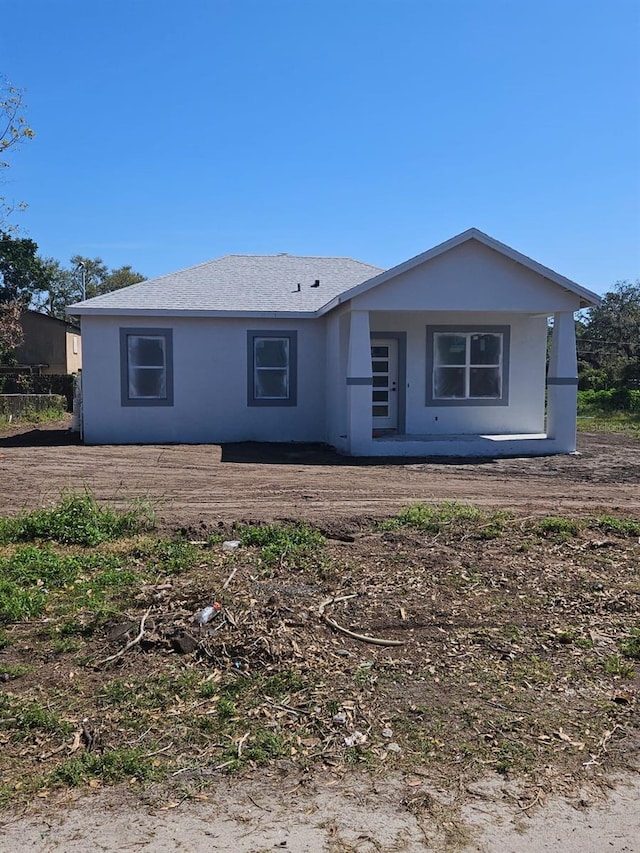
(359, 382)
(562, 383)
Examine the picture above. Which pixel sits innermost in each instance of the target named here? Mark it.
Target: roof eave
(186, 312)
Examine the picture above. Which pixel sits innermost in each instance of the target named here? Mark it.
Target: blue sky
(169, 133)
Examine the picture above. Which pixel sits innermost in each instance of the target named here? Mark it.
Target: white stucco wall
(210, 385)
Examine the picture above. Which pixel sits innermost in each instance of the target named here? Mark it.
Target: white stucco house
(445, 354)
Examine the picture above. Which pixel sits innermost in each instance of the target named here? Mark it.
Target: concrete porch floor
(487, 445)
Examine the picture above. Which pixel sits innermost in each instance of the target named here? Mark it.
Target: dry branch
(130, 644)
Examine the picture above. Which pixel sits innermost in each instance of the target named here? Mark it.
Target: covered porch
(554, 424)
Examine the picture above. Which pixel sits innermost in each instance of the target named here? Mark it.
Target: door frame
(401, 338)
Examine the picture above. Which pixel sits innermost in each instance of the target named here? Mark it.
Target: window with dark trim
(146, 367)
(272, 366)
(467, 365)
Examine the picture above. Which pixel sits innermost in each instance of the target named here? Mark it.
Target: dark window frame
(292, 367)
(466, 329)
(142, 332)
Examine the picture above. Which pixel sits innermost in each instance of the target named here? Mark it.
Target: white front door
(384, 366)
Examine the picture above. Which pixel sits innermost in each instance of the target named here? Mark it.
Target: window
(272, 368)
(146, 367)
(467, 365)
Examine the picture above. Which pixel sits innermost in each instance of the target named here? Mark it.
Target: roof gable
(586, 297)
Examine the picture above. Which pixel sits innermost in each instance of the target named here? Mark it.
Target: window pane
(380, 381)
(380, 397)
(484, 382)
(380, 352)
(448, 382)
(380, 411)
(147, 382)
(272, 352)
(271, 384)
(485, 349)
(145, 351)
(450, 349)
(380, 366)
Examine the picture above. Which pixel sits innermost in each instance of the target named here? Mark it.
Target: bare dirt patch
(197, 484)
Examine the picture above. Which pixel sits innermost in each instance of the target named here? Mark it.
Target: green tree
(64, 285)
(14, 130)
(608, 340)
(22, 272)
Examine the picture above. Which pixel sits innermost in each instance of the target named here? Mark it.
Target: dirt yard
(196, 484)
(498, 715)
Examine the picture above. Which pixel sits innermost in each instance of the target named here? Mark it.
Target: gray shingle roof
(239, 283)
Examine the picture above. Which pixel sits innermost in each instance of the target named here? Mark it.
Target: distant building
(50, 345)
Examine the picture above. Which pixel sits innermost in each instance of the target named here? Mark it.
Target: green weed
(31, 415)
(172, 556)
(553, 525)
(18, 604)
(116, 765)
(449, 516)
(287, 545)
(32, 572)
(77, 520)
(513, 756)
(264, 746)
(16, 671)
(282, 683)
(614, 665)
(621, 526)
(21, 718)
(630, 646)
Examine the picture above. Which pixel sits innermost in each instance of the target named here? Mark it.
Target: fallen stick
(230, 578)
(130, 644)
(364, 638)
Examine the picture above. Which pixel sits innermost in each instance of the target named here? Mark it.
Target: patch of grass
(627, 423)
(32, 572)
(158, 692)
(21, 718)
(513, 756)
(626, 527)
(264, 746)
(30, 415)
(630, 646)
(287, 545)
(282, 683)
(616, 666)
(5, 639)
(451, 516)
(16, 671)
(18, 604)
(172, 556)
(117, 765)
(555, 525)
(77, 519)
(226, 710)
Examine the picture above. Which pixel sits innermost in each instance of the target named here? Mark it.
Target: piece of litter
(231, 545)
(355, 739)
